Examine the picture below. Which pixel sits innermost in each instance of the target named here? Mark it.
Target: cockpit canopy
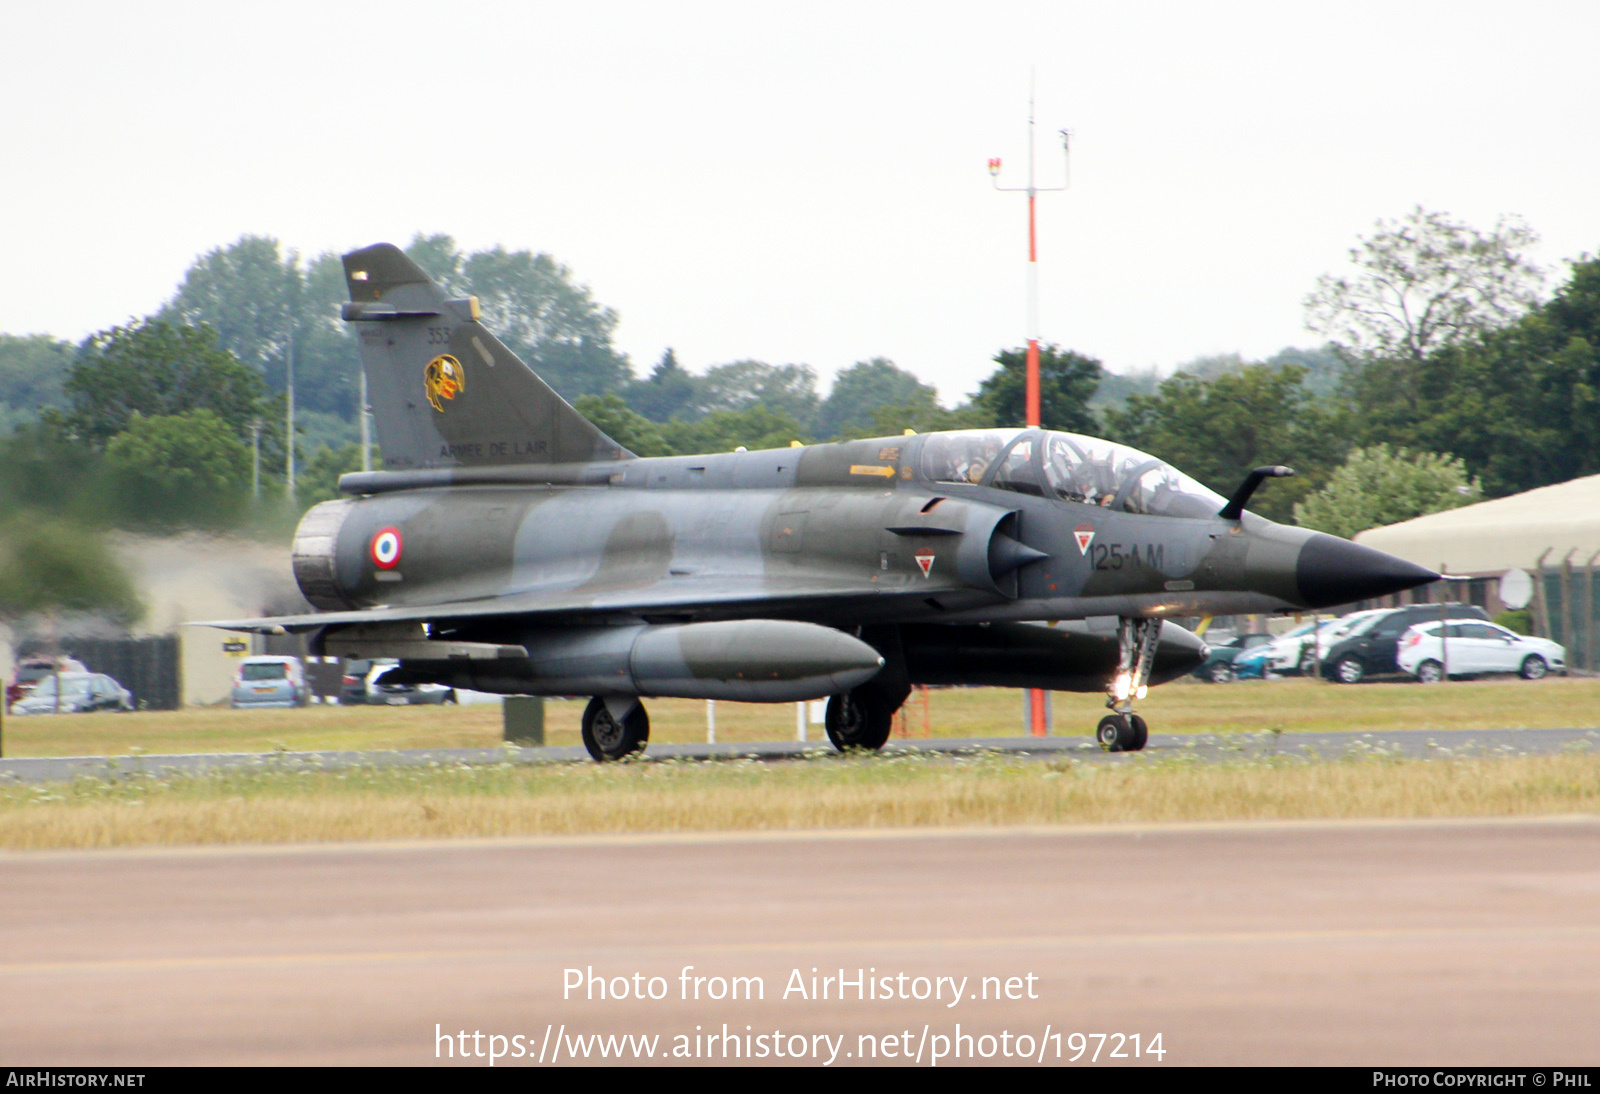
(1068, 467)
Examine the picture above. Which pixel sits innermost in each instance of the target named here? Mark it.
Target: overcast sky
(798, 182)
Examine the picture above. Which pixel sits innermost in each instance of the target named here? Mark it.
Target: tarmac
(1437, 944)
(1204, 747)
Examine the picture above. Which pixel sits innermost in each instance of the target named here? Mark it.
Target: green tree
(318, 480)
(32, 367)
(1067, 381)
(187, 469)
(725, 430)
(265, 303)
(1426, 281)
(51, 565)
(668, 392)
(327, 362)
(157, 369)
(1217, 430)
(1520, 404)
(860, 390)
(1383, 485)
(249, 294)
(42, 468)
(923, 414)
(742, 385)
(533, 305)
(262, 303)
(628, 428)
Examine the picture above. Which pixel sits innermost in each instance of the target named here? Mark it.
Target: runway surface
(1429, 943)
(1422, 743)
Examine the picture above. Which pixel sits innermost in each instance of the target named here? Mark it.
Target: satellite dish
(1516, 588)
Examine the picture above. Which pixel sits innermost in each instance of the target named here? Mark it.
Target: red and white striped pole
(1037, 721)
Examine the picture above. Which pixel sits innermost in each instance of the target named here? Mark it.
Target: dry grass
(380, 804)
(1182, 707)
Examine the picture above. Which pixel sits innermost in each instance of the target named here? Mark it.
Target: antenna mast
(1038, 720)
(1033, 190)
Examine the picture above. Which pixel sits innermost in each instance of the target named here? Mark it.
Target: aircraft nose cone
(1333, 571)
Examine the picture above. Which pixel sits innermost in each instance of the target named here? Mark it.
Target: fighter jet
(510, 546)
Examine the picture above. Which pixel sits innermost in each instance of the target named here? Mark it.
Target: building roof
(1506, 533)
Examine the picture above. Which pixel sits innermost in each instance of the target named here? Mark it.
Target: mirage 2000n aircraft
(510, 546)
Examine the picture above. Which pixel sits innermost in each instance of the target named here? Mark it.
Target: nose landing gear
(1122, 730)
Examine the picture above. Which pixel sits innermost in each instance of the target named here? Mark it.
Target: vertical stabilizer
(445, 392)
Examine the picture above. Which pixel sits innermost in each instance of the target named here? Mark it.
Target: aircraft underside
(867, 675)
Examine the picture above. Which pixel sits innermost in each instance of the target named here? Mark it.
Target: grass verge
(1184, 706)
(454, 802)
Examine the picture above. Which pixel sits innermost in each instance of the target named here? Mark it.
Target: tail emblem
(443, 378)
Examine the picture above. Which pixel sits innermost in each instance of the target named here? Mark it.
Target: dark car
(1370, 648)
(376, 682)
(1218, 665)
(353, 684)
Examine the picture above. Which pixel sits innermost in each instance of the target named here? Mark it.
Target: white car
(1292, 651)
(1472, 647)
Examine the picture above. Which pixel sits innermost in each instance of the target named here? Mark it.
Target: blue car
(1222, 663)
(1253, 664)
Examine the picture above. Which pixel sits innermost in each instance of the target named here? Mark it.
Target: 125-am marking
(1114, 556)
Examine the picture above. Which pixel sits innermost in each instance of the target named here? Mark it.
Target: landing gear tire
(1430, 672)
(1141, 733)
(1349, 670)
(858, 721)
(1533, 668)
(607, 738)
(1122, 733)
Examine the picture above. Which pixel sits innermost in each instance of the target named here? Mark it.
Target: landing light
(1144, 689)
(1122, 686)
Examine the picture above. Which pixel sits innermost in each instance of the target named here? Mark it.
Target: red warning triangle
(925, 562)
(1084, 534)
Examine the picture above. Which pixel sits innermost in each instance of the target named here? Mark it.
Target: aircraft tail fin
(444, 391)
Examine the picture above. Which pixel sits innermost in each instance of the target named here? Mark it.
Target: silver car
(270, 682)
(80, 692)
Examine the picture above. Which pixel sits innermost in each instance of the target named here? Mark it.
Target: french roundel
(386, 548)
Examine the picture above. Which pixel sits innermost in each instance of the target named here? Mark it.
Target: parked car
(1218, 665)
(1332, 633)
(1254, 663)
(1475, 648)
(366, 682)
(270, 681)
(1370, 646)
(353, 684)
(31, 670)
(1291, 652)
(81, 692)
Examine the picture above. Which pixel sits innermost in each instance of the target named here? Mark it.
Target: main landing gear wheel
(1122, 733)
(858, 720)
(608, 738)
